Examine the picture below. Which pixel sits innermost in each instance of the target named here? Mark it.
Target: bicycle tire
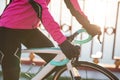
(84, 64)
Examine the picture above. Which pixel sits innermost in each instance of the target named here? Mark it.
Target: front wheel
(87, 71)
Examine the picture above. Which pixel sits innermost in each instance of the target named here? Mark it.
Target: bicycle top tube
(51, 50)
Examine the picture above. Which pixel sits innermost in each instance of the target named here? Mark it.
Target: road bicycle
(65, 69)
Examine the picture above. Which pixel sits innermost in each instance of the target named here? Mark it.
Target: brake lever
(99, 39)
(70, 38)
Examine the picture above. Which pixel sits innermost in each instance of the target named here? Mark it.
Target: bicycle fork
(73, 71)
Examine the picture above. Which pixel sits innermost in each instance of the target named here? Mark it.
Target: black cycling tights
(10, 49)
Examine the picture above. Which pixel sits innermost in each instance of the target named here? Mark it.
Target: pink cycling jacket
(20, 15)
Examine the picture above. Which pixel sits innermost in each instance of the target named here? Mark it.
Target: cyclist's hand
(93, 30)
(69, 50)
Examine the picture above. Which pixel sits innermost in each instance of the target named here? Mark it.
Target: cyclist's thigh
(36, 39)
(9, 40)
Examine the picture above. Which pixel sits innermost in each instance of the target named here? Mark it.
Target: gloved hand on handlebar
(69, 50)
(93, 29)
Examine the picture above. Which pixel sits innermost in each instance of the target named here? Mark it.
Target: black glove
(69, 50)
(93, 29)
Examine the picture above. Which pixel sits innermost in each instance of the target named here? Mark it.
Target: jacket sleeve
(76, 11)
(50, 24)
